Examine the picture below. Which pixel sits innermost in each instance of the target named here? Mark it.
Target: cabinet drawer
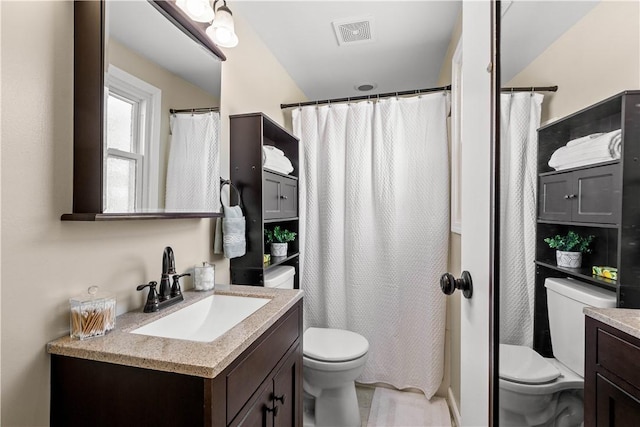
(280, 196)
(619, 357)
(245, 378)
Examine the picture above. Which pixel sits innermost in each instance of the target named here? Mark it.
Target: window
(132, 138)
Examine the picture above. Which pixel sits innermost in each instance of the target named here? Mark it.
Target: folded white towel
(584, 139)
(282, 165)
(587, 150)
(271, 148)
(274, 159)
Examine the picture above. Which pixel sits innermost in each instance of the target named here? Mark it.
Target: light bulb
(195, 7)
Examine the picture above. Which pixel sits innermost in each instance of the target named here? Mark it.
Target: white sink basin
(204, 320)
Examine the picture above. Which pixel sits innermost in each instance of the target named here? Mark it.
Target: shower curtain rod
(530, 89)
(195, 110)
(363, 97)
(413, 92)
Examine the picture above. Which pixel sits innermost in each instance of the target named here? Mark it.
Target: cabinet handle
(274, 410)
(569, 196)
(566, 197)
(280, 399)
(284, 197)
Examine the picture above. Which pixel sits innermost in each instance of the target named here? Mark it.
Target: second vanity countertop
(624, 319)
(202, 359)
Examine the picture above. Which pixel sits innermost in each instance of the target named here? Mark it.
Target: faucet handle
(175, 288)
(153, 301)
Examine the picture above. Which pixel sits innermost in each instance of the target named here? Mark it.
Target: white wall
(44, 260)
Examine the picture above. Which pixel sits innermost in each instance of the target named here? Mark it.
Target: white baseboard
(453, 406)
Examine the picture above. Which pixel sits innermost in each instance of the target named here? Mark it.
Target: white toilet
(332, 360)
(537, 391)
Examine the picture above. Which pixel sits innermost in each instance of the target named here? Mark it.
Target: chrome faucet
(167, 294)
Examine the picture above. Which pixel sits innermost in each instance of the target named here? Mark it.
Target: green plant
(279, 235)
(572, 242)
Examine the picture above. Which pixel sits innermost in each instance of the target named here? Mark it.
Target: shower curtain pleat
(520, 119)
(375, 212)
(193, 170)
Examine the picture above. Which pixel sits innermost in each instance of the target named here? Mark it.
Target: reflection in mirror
(590, 51)
(156, 160)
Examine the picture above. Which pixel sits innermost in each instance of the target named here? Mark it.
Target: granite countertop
(624, 319)
(202, 359)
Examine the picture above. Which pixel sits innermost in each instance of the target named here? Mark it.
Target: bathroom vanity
(612, 377)
(251, 375)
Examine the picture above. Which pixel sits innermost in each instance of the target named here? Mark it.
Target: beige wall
(597, 58)
(44, 260)
(176, 93)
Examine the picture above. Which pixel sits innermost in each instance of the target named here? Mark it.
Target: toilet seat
(333, 345)
(566, 381)
(524, 365)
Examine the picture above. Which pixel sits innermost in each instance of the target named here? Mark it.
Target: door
(477, 76)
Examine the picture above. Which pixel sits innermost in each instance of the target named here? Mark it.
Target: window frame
(148, 99)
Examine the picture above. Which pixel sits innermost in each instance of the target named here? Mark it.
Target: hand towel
(233, 232)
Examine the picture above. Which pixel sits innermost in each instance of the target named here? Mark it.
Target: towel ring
(228, 182)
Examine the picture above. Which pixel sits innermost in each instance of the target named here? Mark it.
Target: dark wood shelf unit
(603, 202)
(269, 198)
(583, 274)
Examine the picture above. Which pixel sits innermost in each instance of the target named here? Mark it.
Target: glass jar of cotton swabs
(92, 314)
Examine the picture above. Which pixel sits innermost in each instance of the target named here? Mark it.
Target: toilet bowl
(537, 391)
(332, 360)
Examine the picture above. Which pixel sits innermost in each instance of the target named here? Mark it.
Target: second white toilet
(537, 391)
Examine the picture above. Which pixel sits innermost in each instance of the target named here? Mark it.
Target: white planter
(279, 249)
(569, 259)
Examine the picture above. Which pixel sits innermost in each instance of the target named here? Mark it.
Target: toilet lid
(522, 364)
(333, 345)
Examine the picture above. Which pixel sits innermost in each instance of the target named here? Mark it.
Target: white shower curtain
(376, 216)
(520, 119)
(193, 171)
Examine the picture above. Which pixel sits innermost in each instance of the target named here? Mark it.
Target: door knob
(448, 284)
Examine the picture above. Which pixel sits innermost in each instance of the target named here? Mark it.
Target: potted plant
(569, 248)
(278, 238)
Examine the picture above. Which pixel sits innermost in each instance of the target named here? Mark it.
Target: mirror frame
(88, 108)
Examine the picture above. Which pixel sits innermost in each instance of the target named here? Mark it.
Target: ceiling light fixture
(222, 28)
(198, 10)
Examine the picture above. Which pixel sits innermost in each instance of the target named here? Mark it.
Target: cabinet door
(554, 197)
(260, 413)
(287, 391)
(271, 192)
(615, 406)
(289, 198)
(598, 195)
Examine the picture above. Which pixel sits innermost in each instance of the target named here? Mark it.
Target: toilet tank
(565, 300)
(280, 276)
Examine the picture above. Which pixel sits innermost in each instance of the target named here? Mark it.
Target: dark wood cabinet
(269, 198)
(261, 387)
(280, 196)
(590, 195)
(612, 378)
(598, 199)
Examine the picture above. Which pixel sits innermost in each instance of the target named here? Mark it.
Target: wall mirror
(146, 120)
(544, 44)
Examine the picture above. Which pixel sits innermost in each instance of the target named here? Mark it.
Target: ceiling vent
(354, 31)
